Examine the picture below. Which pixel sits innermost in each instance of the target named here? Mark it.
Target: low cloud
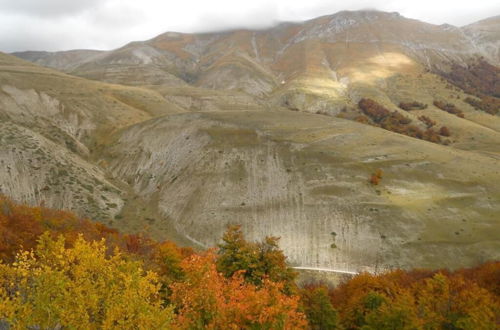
(106, 24)
(47, 8)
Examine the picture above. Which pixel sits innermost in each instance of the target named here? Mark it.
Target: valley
(184, 134)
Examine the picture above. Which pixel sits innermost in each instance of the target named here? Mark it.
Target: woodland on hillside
(396, 122)
(60, 271)
(480, 79)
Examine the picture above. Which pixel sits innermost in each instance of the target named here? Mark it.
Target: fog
(105, 24)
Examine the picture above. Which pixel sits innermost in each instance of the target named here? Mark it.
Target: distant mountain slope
(485, 36)
(282, 52)
(64, 60)
(317, 65)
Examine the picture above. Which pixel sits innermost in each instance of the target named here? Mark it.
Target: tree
(451, 302)
(208, 300)
(376, 177)
(258, 261)
(79, 287)
(318, 308)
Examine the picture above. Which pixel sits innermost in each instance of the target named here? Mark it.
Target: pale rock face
(209, 170)
(38, 171)
(485, 38)
(39, 109)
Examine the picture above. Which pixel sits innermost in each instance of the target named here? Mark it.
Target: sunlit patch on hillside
(381, 67)
(321, 86)
(419, 195)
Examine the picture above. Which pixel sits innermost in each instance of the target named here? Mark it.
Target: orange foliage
(203, 297)
(376, 177)
(207, 299)
(465, 299)
(362, 119)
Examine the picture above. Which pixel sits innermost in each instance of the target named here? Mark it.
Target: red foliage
(21, 225)
(373, 110)
(396, 122)
(412, 106)
(427, 121)
(444, 131)
(449, 107)
(478, 78)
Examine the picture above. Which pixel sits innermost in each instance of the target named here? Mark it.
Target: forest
(480, 79)
(59, 271)
(396, 122)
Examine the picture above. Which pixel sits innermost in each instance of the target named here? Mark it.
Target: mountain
(485, 37)
(279, 130)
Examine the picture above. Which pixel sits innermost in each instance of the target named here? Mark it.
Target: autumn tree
(316, 304)
(206, 299)
(79, 287)
(376, 177)
(451, 302)
(257, 260)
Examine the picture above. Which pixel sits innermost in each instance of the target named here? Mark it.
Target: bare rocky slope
(183, 134)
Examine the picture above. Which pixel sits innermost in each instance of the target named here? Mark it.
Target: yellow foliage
(79, 287)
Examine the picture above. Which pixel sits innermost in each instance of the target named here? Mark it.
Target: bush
(373, 110)
(376, 177)
(427, 121)
(408, 106)
(363, 119)
(432, 136)
(444, 131)
(449, 107)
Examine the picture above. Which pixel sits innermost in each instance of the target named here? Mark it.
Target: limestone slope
(51, 123)
(304, 177)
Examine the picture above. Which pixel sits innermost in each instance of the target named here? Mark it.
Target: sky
(53, 25)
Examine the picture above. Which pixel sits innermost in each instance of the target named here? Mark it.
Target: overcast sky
(107, 24)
